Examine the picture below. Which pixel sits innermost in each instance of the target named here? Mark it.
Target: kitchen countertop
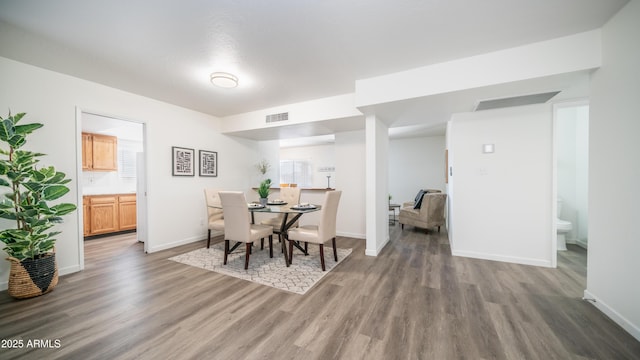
(97, 193)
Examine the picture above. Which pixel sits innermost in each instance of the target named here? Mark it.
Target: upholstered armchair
(319, 234)
(413, 203)
(238, 225)
(429, 214)
(214, 212)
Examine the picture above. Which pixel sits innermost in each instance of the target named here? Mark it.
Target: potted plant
(30, 243)
(263, 191)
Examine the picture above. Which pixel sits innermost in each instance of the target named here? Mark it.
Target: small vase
(263, 201)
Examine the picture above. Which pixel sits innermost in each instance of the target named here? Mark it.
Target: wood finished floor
(413, 301)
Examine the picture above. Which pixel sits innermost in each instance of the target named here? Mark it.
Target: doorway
(112, 194)
(571, 143)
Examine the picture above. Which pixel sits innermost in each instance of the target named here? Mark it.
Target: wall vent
(277, 117)
(516, 101)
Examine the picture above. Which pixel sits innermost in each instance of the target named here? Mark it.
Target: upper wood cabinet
(99, 152)
(87, 152)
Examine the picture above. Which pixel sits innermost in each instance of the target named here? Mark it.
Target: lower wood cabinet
(86, 216)
(105, 214)
(127, 212)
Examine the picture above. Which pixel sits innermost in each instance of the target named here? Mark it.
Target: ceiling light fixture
(223, 79)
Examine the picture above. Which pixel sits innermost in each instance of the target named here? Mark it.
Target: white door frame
(79, 195)
(554, 172)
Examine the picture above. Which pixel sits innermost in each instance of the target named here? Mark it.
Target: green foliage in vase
(263, 190)
(30, 193)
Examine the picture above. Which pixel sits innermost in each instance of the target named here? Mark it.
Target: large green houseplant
(31, 189)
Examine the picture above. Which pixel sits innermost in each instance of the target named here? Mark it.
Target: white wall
(502, 201)
(111, 182)
(614, 173)
(319, 156)
(347, 155)
(350, 164)
(557, 56)
(415, 163)
(176, 204)
(377, 184)
(334, 107)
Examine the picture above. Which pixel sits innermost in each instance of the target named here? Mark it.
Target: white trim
(627, 325)
(375, 252)
(497, 257)
(185, 241)
(79, 199)
(554, 174)
(582, 244)
(352, 235)
(79, 112)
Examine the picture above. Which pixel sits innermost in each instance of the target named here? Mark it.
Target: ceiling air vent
(277, 117)
(516, 101)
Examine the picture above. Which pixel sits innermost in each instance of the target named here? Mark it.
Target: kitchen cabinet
(99, 152)
(86, 215)
(104, 214)
(127, 212)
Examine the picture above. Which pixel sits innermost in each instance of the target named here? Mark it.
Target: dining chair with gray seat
(323, 232)
(291, 196)
(238, 226)
(214, 213)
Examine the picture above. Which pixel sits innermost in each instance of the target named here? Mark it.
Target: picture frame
(208, 163)
(183, 161)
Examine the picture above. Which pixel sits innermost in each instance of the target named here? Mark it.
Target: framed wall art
(183, 160)
(208, 163)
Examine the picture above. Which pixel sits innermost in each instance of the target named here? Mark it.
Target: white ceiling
(282, 51)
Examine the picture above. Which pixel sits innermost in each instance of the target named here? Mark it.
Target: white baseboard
(496, 257)
(375, 252)
(351, 235)
(582, 244)
(68, 270)
(632, 329)
(176, 243)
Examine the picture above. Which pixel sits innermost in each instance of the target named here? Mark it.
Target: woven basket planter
(32, 277)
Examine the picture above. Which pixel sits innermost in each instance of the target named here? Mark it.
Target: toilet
(563, 227)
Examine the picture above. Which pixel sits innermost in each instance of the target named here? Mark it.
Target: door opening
(111, 179)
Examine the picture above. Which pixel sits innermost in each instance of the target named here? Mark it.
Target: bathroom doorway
(571, 143)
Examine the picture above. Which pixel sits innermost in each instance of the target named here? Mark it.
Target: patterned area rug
(301, 276)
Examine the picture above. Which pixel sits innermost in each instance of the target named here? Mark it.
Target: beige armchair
(412, 203)
(239, 227)
(214, 212)
(319, 234)
(430, 213)
(290, 195)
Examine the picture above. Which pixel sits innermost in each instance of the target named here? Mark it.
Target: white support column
(377, 193)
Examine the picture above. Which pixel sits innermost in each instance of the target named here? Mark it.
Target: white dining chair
(292, 197)
(215, 218)
(238, 225)
(321, 233)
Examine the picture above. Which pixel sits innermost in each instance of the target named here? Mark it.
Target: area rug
(299, 278)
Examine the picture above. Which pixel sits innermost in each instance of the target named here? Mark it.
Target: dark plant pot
(32, 277)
